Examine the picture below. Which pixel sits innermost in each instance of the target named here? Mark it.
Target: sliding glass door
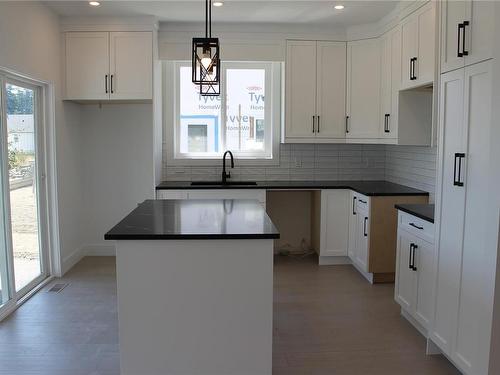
(23, 245)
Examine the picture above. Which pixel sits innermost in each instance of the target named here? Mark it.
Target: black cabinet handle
(364, 227)
(413, 77)
(386, 123)
(354, 205)
(457, 172)
(410, 265)
(464, 51)
(416, 226)
(106, 83)
(112, 92)
(362, 201)
(460, 27)
(347, 124)
(313, 124)
(413, 267)
(318, 124)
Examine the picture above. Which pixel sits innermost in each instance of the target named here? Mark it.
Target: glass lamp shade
(206, 61)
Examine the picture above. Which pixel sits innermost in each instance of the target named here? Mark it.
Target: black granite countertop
(423, 211)
(195, 219)
(370, 188)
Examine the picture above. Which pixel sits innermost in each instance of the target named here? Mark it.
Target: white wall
(117, 167)
(30, 44)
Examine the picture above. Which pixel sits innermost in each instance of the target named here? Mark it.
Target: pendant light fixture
(206, 58)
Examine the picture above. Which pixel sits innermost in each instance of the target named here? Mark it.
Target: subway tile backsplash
(408, 165)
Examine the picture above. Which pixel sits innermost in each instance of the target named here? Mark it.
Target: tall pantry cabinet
(464, 301)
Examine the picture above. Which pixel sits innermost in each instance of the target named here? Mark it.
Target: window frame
(273, 111)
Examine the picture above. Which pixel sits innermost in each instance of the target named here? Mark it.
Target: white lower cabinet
(257, 194)
(359, 226)
(415, 265)
(334, 226)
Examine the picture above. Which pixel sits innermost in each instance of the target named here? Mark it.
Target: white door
(334, 222)
(475, 299)
(363, 89)
(409, 43)
(390, 83)
(425, 64)
(353, 220)
(363, 228)
(452, 18)
(300, 69)
(423, 262)
(87, 65)
(330, 96)
(131, 65)
(480, 33)
(452, 201)
(405, 275)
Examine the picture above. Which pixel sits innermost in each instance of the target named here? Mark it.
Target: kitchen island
(195, 287)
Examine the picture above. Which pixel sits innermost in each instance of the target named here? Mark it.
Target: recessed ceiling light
(339, 7)
(218, 3)
(94, 3)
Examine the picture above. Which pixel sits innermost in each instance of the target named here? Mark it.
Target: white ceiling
(238, 11)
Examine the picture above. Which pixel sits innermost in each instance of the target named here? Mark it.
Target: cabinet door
(87, 65)
(131, 65)
(300, 89)
(405, 277)
(363, 229)
(426, 59)
(452, 198)
(353, 221)
(452, 16)
(424, 261)
(390, 83)
(330, 96)
(363, 89)
(480, 33)
(477, 274)
(409, 38)
(334, 222)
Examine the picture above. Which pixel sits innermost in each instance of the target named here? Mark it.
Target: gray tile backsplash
(408, 165)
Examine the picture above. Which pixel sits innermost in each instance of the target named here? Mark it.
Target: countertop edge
(148, 237)
(414, 213)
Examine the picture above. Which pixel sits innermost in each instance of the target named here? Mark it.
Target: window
(245, 118)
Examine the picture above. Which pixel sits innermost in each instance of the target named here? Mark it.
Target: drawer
(416, 226)
(362, 202)
(172, 194)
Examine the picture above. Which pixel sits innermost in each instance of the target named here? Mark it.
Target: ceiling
(238, 11)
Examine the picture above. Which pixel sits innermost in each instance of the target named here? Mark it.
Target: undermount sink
(228, 183)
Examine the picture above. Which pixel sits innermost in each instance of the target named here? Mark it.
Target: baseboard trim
(333, 260)
(97, 250)
(70, 261)
(368, 276)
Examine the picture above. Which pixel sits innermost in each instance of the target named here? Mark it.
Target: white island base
(195, 307)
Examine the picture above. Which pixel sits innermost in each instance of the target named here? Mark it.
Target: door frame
(50, 259)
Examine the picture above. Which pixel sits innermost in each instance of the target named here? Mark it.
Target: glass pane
(245, 120)
(199, 118)
(22, 183)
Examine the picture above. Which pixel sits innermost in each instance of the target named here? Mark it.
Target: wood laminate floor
(327, 320)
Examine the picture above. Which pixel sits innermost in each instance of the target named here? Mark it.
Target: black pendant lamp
(206, 58)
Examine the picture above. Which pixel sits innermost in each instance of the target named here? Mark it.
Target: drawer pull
(416, 226)
(362, 201)
(354, 205)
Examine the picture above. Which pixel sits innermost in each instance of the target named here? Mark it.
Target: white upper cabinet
(389, 84)
(331, 83)
(315, 91)
(131, 62)
(300, 89)
(87, 66)
(363, 89)
(467, 30)
(418, 47)
(109, 66)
